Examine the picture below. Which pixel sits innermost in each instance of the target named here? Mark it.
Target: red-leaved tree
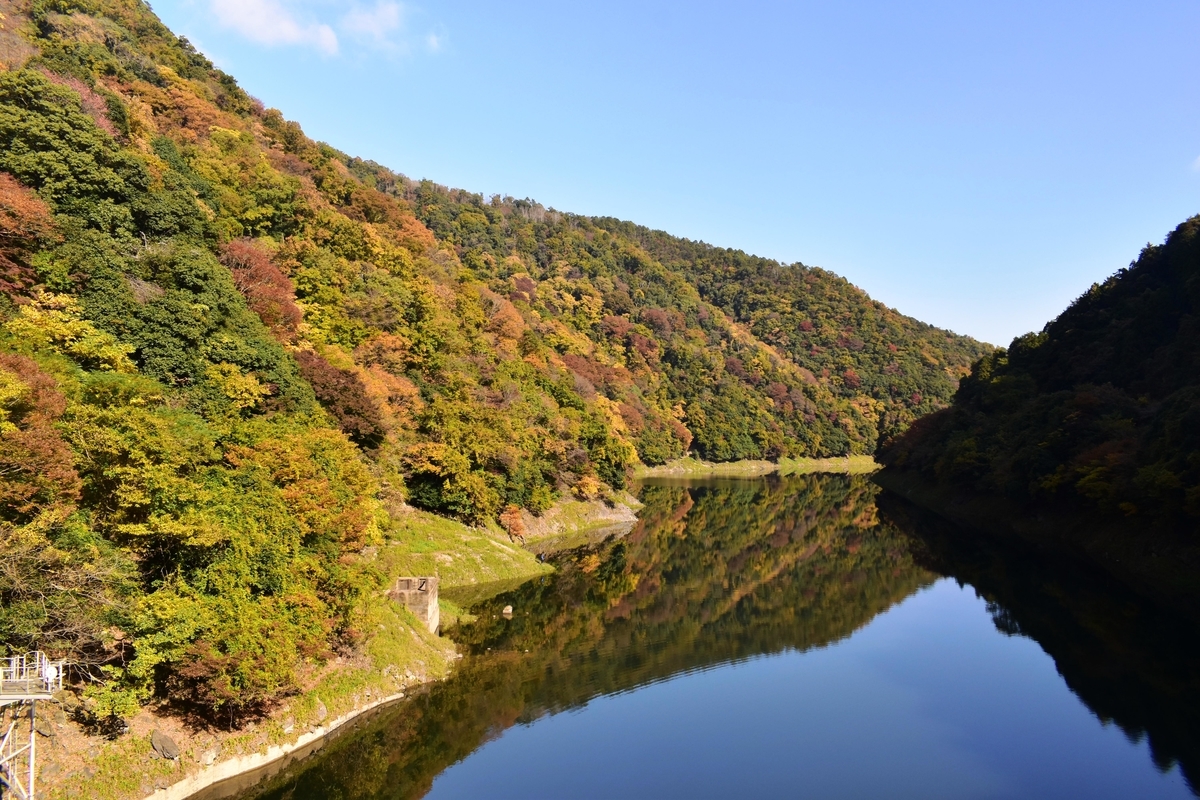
(37, 469)
(25, 221)
(268, 292)
(345, 397)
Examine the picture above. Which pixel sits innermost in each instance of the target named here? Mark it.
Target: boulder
(164, 745)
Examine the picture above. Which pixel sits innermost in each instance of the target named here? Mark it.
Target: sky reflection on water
(929, 700)
(798, 637)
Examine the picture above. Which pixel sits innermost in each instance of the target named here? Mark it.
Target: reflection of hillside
(711, 574)
(1130, 662)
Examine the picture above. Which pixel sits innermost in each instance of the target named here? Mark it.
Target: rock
(209, 756)
(44, 727)
(507, 611)
(322, 711)
(289, 725)
(164, 745)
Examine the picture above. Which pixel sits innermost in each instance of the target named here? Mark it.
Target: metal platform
(23, 681)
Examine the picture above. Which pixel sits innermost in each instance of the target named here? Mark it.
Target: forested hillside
(228, 352)
(866, 353)
(1099, 413)
(1102, 407)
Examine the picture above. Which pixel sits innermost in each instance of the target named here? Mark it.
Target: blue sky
(974, 165)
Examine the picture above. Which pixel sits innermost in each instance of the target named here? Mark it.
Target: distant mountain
(1096, 419)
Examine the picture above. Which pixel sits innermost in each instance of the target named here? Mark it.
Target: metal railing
(23, 680)
(29, 677)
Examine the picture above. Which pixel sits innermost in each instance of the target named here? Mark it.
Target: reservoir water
(791, 637)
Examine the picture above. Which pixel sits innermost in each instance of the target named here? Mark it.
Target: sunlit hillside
(229, 354)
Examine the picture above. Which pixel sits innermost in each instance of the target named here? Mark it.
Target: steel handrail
(33, 672)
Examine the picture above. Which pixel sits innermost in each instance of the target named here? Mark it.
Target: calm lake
(791, 637)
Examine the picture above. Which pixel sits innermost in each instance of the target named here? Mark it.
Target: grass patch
(425, 544)
(694, 466)
(850, 465)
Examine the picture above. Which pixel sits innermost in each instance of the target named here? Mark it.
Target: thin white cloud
(1196, 164)
(434, 42)
(378, 23)
(268, 22)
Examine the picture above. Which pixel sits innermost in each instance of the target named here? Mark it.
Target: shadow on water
(1131, 662)
(719, 572)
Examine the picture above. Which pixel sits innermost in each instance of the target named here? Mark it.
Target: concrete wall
(420, 596)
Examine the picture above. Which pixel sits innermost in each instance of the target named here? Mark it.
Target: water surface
(797, 637)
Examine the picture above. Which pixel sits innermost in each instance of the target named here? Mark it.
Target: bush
(267, 290)
(345, 397)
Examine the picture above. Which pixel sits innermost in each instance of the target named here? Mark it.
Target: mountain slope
(861, 349)
(226, 351)
(1096, 417)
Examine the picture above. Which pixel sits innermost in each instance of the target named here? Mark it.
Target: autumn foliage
(36, 465)
(222, 338)
(514, 526)
(25, 221)
(345, 397)
(267, 290)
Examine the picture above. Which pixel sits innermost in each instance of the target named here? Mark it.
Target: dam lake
(806, 636)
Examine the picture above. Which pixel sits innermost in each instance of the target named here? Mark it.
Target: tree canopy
(226, 350)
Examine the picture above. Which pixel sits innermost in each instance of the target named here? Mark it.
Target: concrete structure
(23, 681)
(420, 596)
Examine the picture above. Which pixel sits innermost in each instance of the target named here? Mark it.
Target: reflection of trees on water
(722, 572)
(711, 574)
(1130, 662)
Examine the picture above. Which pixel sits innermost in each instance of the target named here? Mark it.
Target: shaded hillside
(226, 351)
(1098, 416)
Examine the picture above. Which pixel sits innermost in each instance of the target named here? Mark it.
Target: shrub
(267, 290)
(514, 526)
(24, 223)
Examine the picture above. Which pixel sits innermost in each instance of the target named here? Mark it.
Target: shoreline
(199, 785)
(572, 519)
(696, 468)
